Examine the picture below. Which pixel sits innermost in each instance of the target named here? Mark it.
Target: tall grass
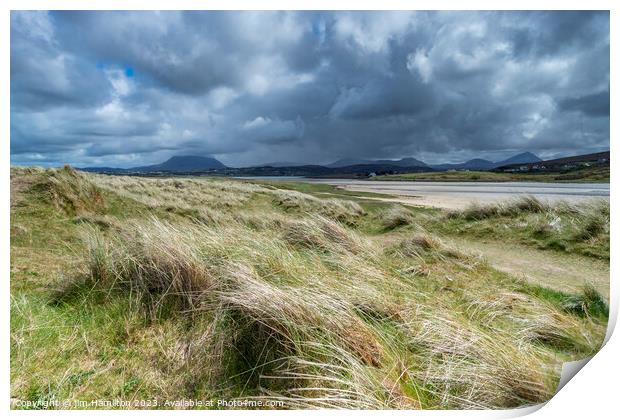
(525, 204)
(310, 338)
(396, 216)
(70, 191)
(582, 228)
(283, 299)
(344, 211)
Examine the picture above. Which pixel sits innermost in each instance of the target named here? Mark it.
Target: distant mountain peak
(478, 160)
(525, 157)
(185, 163)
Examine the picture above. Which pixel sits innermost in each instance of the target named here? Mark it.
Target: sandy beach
(457, 195)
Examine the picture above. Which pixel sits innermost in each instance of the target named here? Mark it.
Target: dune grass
(139, 288)
(571, 228)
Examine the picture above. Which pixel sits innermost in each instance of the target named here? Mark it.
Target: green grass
(587, 304)
(589, 174)
(137, 288)
(581, 228)
(318, 189)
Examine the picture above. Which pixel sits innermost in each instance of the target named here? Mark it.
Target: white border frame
(591, 394)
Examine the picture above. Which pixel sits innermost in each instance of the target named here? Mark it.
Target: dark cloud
(381, 98)
(42, 77)
(593, 105)
(132, 88)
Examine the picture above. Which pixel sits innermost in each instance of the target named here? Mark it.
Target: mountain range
(174, 164)
(473, 164)
(485, 165)
(342, 166)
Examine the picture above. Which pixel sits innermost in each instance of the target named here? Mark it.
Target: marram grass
(215, 288)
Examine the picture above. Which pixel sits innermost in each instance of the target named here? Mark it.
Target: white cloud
(256, 123)
(275, 28)
(372, 31)
(420, 62)
(258, 84)
(121, 84)
(34, 24)
(221, 97)
(269, 73)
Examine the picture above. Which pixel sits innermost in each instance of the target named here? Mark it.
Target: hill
(179, 164)
(183, 164)
(485, 165)
(472, 165)
(560, 164)
(526, 157)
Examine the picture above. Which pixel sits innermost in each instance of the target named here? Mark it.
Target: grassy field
(168, 289)
(592, 174)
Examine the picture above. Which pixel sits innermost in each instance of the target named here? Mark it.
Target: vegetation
(582, 229)
(588, 174)
(140, 288)
(395, 216)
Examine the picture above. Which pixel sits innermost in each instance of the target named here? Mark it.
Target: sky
(125, 89)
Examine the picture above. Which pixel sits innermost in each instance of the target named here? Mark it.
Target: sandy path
(567, 273)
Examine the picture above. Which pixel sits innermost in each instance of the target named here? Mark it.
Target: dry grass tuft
(318, 232)
(181, 193)
(574, 228)
(69, 190)
(343, 211)
(526, 204)
(424, 245)
(396, 216)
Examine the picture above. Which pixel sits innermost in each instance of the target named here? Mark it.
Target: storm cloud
(133, 88)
